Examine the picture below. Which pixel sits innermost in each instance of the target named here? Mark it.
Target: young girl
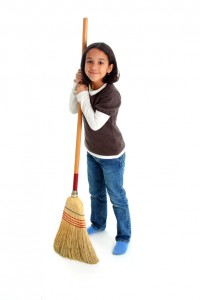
(100, 101)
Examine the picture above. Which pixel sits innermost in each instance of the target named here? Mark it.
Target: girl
(100, 101)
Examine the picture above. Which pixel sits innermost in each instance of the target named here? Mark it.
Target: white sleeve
(95, 119)
(73, 104)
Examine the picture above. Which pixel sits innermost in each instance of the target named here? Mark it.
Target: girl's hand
(78, 77)
(81, 88)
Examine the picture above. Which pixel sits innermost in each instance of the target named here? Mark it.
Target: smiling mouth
(92, 73)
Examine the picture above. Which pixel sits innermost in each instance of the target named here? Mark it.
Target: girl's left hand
(81, 88)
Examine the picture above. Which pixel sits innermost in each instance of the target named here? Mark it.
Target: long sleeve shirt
(100, 109)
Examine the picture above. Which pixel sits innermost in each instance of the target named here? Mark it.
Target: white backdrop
(157, 45)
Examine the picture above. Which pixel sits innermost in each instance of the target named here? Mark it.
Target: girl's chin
(93, 77)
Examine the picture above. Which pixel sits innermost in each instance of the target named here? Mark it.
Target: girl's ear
(110, 68)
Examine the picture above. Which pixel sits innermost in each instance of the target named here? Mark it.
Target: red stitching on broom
(73, 221)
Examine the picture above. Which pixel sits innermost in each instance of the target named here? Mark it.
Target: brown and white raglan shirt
(100, 109)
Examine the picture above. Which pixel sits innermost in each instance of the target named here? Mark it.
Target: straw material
(72, 239)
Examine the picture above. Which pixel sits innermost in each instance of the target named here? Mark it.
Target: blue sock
(120, 248)
(92, 230)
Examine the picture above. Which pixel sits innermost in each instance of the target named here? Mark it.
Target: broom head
(72, 240)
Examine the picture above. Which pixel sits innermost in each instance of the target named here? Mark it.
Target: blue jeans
(106, 176)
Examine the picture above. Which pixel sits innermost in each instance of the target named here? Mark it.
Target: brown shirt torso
(108, 140)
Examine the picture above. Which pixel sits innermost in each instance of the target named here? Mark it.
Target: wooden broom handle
(79, 121)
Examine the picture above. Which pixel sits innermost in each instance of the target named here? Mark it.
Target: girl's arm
(73, 104)
(96, 119)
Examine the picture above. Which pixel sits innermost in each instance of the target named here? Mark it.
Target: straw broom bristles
(72, 239)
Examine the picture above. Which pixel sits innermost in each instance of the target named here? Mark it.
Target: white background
(157, 45)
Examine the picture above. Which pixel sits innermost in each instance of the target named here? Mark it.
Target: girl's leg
(97, 191)
(113, 170)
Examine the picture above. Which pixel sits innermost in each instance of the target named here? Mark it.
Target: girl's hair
(114, 75)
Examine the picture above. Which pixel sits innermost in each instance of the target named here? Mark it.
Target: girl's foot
(120, 248)
(92, 230)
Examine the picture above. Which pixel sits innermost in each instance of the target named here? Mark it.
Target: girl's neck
(96, 85)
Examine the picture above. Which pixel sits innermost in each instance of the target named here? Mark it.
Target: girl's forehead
(96, 53)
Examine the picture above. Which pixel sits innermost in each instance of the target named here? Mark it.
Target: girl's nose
(93, 66)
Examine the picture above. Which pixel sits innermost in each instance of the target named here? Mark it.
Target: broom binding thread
(78, 221)
(73, 221)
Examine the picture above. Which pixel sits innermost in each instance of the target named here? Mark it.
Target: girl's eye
(91, 62)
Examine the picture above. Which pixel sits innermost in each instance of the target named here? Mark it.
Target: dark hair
(113, 75)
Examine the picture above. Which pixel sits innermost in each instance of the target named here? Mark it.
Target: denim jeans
(105, 176)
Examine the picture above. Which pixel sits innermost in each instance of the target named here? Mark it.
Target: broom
(72, 239)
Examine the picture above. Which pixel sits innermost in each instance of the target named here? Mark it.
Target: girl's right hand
(78, 77)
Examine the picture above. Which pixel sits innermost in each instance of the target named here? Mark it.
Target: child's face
(97, 66)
